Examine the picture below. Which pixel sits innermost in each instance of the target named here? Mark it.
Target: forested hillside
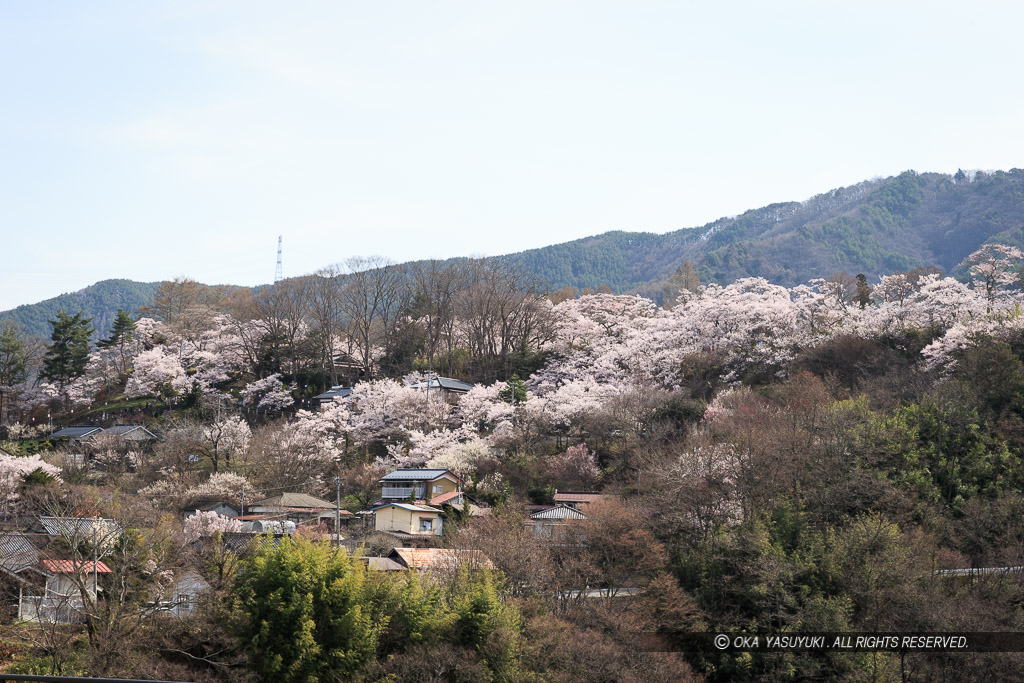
(874, 227)
(99, 301)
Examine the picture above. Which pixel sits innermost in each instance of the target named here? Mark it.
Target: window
(438, 489)
(426, 524)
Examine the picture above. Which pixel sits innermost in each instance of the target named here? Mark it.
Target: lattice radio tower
(278, 272)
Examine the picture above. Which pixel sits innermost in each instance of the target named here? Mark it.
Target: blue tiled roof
(75, 432)
(334, 392)
(409, 474)
(444, 383)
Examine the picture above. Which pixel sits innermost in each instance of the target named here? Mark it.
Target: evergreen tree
(13, 361)
(67, 356)
(863, 295)
(13, 355)
(514, 391)
(122, 334)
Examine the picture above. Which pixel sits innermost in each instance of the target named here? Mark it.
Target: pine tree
(67, 356)
(863, 295)
(13, 360)
(122, 334)
(13, 355)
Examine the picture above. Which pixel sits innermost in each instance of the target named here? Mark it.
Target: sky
(150, 140)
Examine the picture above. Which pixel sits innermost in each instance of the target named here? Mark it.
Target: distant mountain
(875, 227)
(99, 301)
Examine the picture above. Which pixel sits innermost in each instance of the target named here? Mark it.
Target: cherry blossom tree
(204, 524)
(995, 267)
(268, 393)
(158, 372)
(13, 471)
(225, 436)
(576, 466)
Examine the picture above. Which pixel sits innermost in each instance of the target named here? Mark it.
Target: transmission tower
(278, 273)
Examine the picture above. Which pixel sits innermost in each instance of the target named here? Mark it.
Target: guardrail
(75, 679)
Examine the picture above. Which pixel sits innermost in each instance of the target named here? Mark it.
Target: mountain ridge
(873, 227)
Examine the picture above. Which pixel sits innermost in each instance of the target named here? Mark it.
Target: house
(221, 507)
(19, 557)
(328, 398)
(550, 522)
(408, 518)
(450, 389)
(47, 589)
(380, 543)
(418, 484)
(61, 598)
(76, 433)
(74, 530)
(295, 507)
(132, 432)
(346, 365)
(576, 499)
(429, 559)
(188, 586)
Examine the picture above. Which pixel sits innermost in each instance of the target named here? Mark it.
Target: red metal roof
(576, 496)
(74, 566)
(445, 497)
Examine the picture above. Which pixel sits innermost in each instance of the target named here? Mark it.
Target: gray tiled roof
(445, 383)
(78, 527)
(122, 430)
(17, 552)
(293, 500)
(75, 432)
(334, 392)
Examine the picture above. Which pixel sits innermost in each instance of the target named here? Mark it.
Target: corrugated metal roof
(445, 497)
(576, 496)
(334, 392)
(81, 527)
(293, 500)
(17, 552)
(408, 506)
(417, 474)
(444, 383)
(558, 512)
(75, 432)
(437, 558)
(75, 566)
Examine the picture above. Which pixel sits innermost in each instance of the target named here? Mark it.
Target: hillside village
(453, 473)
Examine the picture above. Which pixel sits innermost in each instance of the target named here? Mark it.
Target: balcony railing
(402, 491)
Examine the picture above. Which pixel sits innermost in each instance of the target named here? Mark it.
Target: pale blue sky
(148, 140)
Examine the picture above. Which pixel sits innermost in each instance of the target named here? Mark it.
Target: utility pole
(95, 561)
(337, 513)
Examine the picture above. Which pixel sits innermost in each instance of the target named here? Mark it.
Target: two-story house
(418, 484)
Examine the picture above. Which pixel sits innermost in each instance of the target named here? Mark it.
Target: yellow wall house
(412, 519)
(418, 483)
